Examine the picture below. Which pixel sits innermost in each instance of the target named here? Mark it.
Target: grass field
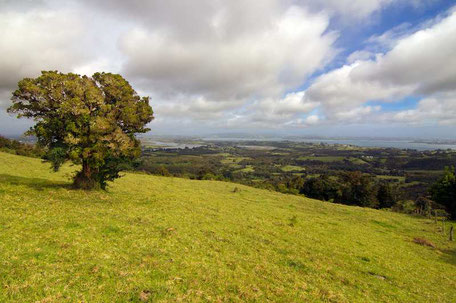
(329, 159)
(322, 159)
(247, 169)
(163, 239)
(289, 168)
(232, 161)
(388, 177)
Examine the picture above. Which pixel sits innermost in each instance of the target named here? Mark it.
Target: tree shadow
(449, 256)
(33, 183)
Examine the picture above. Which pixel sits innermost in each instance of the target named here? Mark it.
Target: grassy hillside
(165, 239)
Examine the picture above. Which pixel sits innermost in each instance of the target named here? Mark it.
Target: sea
(401, 144)
(374, 142)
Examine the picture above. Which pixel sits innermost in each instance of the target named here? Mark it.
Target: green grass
(413, 183)
(329, 159)
(289, 168)
(388, 177)
(426, 172)
(357, 161)
(232, 161)
(322, 158)
(246, 169)
(167, 239)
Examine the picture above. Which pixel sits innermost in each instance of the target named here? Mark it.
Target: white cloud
(388, 39)
(354, 11)
(263, 60)
(291, 104)
(337, 90)
(312, 119)
(197, 108)
(309, 121)
(277, 113)
(425, 59)
(359, 55)
(357, 114)
(37, 40)
(232, 61)
(420, 64)
(352, 8)
(439, 109)
(201, 59)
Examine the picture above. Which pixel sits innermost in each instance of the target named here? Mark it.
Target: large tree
(91, 121)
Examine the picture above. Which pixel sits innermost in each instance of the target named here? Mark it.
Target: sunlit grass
(322, 158)
(289, 168)
(168, 239)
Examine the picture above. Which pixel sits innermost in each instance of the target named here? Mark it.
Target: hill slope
(167, 239)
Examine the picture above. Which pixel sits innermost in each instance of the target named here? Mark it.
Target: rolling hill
(164, 239)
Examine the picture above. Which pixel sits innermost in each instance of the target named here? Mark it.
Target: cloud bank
(212, 64)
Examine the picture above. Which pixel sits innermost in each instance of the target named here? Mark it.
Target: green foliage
(387, 195)
(90, 121)
(18, 148)
(358, 189)
(172, 239)
(404, 206)
(57, 156)
(162, 171)
(444, 191)
(424, 205)
(274, 165)
(351, 188)
(322, 188)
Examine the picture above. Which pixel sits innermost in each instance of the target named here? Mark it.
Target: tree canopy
(91, 121)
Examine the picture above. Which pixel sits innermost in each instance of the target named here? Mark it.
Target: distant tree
(227, 174)
(295, 183)
(91, 121)
(423, 205)
(444, 191)
(23, 149)
(387, 195)
(404, 206)
(205, 173)
(163, 171)
(358, 189)
(322, 188)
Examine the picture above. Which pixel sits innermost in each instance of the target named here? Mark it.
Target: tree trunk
(86, 171)
(85, 179)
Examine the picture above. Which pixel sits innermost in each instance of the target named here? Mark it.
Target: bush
(18, 148)
(424, 205)
(387, 195)
(404, 206)
(322, 188)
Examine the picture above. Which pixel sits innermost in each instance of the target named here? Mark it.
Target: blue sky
(354, 36)
(309, 67)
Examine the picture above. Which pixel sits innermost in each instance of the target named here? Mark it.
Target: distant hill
(164, 239)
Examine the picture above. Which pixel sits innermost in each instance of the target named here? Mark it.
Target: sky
(384, 68)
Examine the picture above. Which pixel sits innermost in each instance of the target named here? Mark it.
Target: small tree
(387, 195)
(91, 121)
(444, 191)
(322, 188)
(423, 205)
(358, 189)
